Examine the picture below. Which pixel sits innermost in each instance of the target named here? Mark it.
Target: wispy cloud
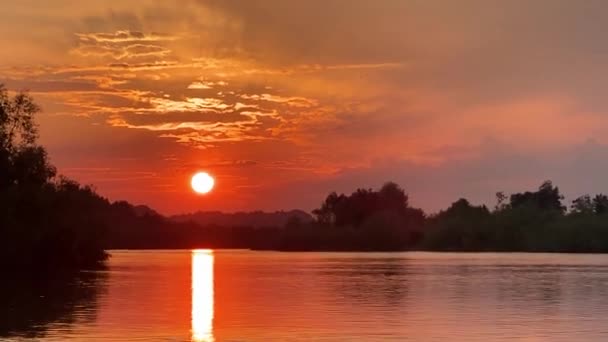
(125, 36)
(123, 45)
(365, 94)
(291, 101)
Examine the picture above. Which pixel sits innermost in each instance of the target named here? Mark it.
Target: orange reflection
(202, 295)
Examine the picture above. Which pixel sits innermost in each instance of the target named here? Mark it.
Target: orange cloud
(365, 94)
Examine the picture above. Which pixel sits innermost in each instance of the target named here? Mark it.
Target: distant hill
(249, 219)
(143, 210)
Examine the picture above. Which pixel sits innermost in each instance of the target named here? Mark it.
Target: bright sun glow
(202, 295)
(202, 182)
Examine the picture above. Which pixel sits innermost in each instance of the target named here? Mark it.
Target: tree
(547, 198)
(501, 201)
(582, 205)
(463, 209)
(460, 227)
(393, 196)
(48, 222)
(17, 126)
(22, 160)
(353, 210)
(327, 213)
(368, 219)
(600, 204)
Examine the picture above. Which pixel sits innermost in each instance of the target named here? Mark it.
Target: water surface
(271, 296)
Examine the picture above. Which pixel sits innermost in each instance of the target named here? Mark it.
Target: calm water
(269, 296)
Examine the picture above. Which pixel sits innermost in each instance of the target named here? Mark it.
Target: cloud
(125, 36)
(127, 52)
(200, 122)
(124, 45)
(291, 101)
(200, 85)
(189, 104)
(416, 90)
(207, 84)
(159, 65)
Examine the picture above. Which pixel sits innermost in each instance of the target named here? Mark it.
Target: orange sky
(284, 101)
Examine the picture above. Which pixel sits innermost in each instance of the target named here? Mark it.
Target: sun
(202, 182)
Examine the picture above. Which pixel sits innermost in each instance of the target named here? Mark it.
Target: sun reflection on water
(202, 295)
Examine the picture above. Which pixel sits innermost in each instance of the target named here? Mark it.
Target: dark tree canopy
(582, 205)
(364, 220)
(600, 204)
(533, 221)
(547, 197)
(22, 160)
(462, 208)
(353, 210)
(45, 221)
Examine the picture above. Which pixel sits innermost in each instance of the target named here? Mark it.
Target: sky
(285, 101)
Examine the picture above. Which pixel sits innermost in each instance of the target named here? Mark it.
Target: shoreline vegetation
(52, 223)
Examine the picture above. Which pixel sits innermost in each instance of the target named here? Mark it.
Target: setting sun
(202, 182)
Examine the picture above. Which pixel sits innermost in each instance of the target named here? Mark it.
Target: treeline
(52, 223)
(531, 221)
(366, 220)
(384, 220)
(252, 218)
(130, 229)
(46, 222)
(49, 223)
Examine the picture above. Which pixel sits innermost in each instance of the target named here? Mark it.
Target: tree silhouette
(600, 204)
(22, 160)
(364, 220)
(55, 223)
(47, 222)
(582, 205)
(547, 197)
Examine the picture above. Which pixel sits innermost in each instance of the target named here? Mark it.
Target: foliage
(600, 204)
(532, 221)
(46, 222)
(547, 197)
(364, 220)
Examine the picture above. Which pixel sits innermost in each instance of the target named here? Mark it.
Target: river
(234, 295)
